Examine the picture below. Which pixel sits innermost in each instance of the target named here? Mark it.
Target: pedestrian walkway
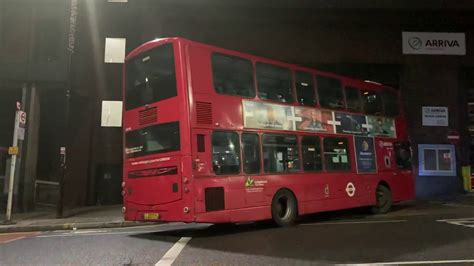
(83, 218)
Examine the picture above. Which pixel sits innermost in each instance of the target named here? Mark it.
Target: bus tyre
(383, 202)
(284, 208)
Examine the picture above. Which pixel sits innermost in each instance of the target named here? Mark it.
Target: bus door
(387, 165)
(370, 161)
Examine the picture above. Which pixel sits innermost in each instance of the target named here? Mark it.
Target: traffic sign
(453, 137)
(13, 150)
(22, 118)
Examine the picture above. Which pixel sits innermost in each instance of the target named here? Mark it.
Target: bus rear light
(123, 193)
(186, 189)
(123, 184)
(186, 209)
(185, 180)
(124, 209)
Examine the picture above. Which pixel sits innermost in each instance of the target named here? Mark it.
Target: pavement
(80, 218)
(111, 216)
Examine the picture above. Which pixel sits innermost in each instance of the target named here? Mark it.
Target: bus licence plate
(151, 216)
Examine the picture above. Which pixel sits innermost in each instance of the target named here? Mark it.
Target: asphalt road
(444, 235)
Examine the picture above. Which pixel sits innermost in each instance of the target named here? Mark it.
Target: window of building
(436, 160)
(251, 153)
(353, 99)
(372, 102)
(336, 154)
(150, 77)
(390, 102)
(403, 155)
(305, 88)
(225, 153)
(330, 92)
(232, 75)
(311, 150)
(274, 83)
(280, 153)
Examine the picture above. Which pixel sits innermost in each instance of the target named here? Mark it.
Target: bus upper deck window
(330, 92)
(232, 75)
(150, 77)
(390, 102)
(305, 88)
(372, 102)
(353, 99)
(274, 83)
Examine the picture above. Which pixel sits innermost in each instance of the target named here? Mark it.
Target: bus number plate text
(151, 216)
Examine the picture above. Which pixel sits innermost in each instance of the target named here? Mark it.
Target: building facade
(52, 58)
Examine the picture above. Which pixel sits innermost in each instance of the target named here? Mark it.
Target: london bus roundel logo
(350, 189)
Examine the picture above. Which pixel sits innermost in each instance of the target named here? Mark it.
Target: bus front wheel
(383, 197)
(284, 208)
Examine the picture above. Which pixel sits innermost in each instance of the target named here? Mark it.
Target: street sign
(13, 150)
(453, 137)
(22, 118)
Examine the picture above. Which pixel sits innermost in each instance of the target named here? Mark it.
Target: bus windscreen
(153, 139)
(150, 77)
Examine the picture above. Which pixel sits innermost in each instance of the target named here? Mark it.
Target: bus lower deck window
(311, 149)
(336, 154)
(280, 153)
(225, 153)
(251, 153)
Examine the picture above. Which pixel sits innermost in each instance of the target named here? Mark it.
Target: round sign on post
(453, 137)
(22, 118)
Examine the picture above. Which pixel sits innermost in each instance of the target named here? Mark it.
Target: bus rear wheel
(383, 202)
(284, 208)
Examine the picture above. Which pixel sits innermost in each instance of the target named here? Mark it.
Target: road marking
(456, 219)
(458, 205)
(99, 234)
(10, 237)
(411, 262)
(121, 231)
(467, 222)
(171, 255)
(359, 222)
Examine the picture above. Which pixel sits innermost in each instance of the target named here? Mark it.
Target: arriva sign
(442, 43)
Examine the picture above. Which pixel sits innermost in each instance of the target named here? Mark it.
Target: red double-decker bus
(213, 135)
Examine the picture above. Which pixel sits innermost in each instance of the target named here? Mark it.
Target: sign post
(14, 152)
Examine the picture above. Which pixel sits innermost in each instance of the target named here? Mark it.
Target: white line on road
(128, 231)
(456, 219)
(359, 222)
(411, 262)
(171, 255)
